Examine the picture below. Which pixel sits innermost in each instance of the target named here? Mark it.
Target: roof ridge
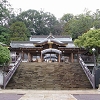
(50, 36)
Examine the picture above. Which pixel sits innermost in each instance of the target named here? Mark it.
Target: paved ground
(17, 94)
(10, 96)
(87, 96)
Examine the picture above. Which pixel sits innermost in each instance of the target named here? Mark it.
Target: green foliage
(39, 22)
(78, 25)
(67, 17)
(42, 23)
(18, 32)
(91, 39)
(4, 12)
(4, 55)
(65, 21)
(4, 35)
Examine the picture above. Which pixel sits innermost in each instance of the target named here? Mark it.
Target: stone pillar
(41, 57)
(72, 60)
(50, 56)
(29, 57)
(22, 55)
(59, 58)
(78, 57)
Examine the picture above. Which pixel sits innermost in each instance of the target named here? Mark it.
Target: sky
(57, 7)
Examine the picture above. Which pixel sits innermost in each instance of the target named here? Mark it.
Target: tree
(89, 40)
(4, 12)
(67, 17)
(4, 55)
(4, 35)
(50, 24)
(18, 32)
(96, 19)
(65, 23)
(39, 22)
(77, 25)
(80, 25)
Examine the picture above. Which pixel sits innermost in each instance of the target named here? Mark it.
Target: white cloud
(57, 7)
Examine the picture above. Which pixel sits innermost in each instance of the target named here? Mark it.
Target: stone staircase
(49, 76)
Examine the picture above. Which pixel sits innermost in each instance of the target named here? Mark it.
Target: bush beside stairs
(49, 76)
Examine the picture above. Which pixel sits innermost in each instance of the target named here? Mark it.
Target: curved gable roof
(51, 50)
(50, 40)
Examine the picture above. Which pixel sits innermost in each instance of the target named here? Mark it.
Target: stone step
(49, 76)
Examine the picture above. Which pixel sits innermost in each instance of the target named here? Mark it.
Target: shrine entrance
(51, 55)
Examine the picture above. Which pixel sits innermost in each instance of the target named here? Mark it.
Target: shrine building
(43, 48)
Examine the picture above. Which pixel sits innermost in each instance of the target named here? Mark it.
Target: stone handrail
(12, 70)
(87, 72)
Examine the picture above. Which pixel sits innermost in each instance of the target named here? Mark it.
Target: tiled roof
(22, 44)
(45, 36)
(36, 39)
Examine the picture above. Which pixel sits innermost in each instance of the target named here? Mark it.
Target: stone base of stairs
(49, 76)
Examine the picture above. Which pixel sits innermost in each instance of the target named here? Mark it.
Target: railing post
(4, 76)
(99, 87)
(90, 76)
(10, 73)
(93, 82)
(3, 80)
